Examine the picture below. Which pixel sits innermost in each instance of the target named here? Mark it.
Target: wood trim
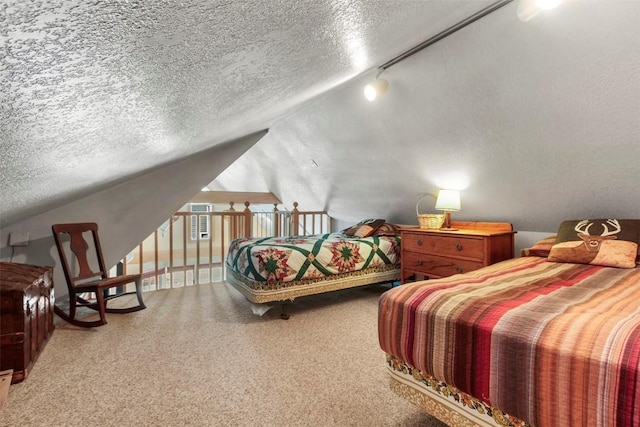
(488, 226)
(235, 196)
(467, 227)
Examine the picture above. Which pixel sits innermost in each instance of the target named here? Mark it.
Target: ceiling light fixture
(371, 91)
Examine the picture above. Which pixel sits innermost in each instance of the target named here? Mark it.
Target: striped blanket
(554, 344)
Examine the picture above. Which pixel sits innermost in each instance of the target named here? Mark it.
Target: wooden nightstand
(431, 254)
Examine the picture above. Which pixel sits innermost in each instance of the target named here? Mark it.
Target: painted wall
(534, 121)
(126, 213)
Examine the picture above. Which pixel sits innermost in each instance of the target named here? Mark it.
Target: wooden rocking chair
(85, 280)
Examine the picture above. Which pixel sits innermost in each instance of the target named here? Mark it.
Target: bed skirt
(288, 291)
(450, 405)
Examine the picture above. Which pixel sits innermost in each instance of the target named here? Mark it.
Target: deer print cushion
(608, 242)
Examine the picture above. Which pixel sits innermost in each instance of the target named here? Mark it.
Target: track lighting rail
(445, 33)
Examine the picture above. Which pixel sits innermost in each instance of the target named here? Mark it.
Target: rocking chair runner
(85, 280)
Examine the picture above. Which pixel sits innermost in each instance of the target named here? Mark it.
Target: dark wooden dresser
(26, 315)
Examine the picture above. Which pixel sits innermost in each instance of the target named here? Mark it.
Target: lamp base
(446, 225)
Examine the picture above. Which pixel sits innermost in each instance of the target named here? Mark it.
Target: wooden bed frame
(446, 403)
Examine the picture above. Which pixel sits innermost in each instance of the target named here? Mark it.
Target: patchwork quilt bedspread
(275, 261)
(554, 344)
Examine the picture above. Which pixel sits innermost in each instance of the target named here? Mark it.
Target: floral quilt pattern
(284, 259)
(272, 264)
(345, 256)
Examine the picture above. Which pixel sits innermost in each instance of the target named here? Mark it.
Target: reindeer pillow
(608, 242)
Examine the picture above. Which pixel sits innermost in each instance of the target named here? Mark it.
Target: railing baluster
(155, 258)
(196, 270)
(296, 219)
(171, 252)
(211, 228)
(222, 248)
(184, 251)
(247, 220)
(276, 220)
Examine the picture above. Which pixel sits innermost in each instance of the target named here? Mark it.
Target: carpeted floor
(198, 356)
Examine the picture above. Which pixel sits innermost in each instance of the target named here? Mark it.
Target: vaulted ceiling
(536, 119)
(97, 92)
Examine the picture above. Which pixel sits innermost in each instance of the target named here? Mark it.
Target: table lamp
(448, 201)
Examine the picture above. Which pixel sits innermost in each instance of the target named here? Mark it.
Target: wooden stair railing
(171, 256)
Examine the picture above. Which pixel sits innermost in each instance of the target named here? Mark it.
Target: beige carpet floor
(198, 356)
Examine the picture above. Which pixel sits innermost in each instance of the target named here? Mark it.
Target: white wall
(126, 213)
(535, 121)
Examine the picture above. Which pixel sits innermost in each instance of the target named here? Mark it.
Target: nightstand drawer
(452, 246)
(436, 265)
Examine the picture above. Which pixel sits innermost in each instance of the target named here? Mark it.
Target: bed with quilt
(548, 339)
(284, 268)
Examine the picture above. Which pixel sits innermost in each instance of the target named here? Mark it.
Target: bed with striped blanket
(284, 268)
(523, 342)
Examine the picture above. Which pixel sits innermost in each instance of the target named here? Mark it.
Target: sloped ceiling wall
(126, 213)
(535, 121)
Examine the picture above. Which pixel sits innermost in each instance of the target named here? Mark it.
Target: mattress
(276, 268)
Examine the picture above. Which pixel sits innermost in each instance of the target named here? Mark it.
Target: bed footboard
(450, 405)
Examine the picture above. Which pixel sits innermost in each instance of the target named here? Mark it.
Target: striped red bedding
(554, 344)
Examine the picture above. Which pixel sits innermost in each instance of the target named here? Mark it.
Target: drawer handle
(458, 247)
(419, 262)
(419, 242)
(458, 269)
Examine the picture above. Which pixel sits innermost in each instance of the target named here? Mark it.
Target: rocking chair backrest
(79, 249)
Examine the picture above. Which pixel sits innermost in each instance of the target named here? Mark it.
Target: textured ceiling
(94, 92)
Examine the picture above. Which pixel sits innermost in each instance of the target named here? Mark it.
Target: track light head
(376, 88)
(548, 4)
(528, 9)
